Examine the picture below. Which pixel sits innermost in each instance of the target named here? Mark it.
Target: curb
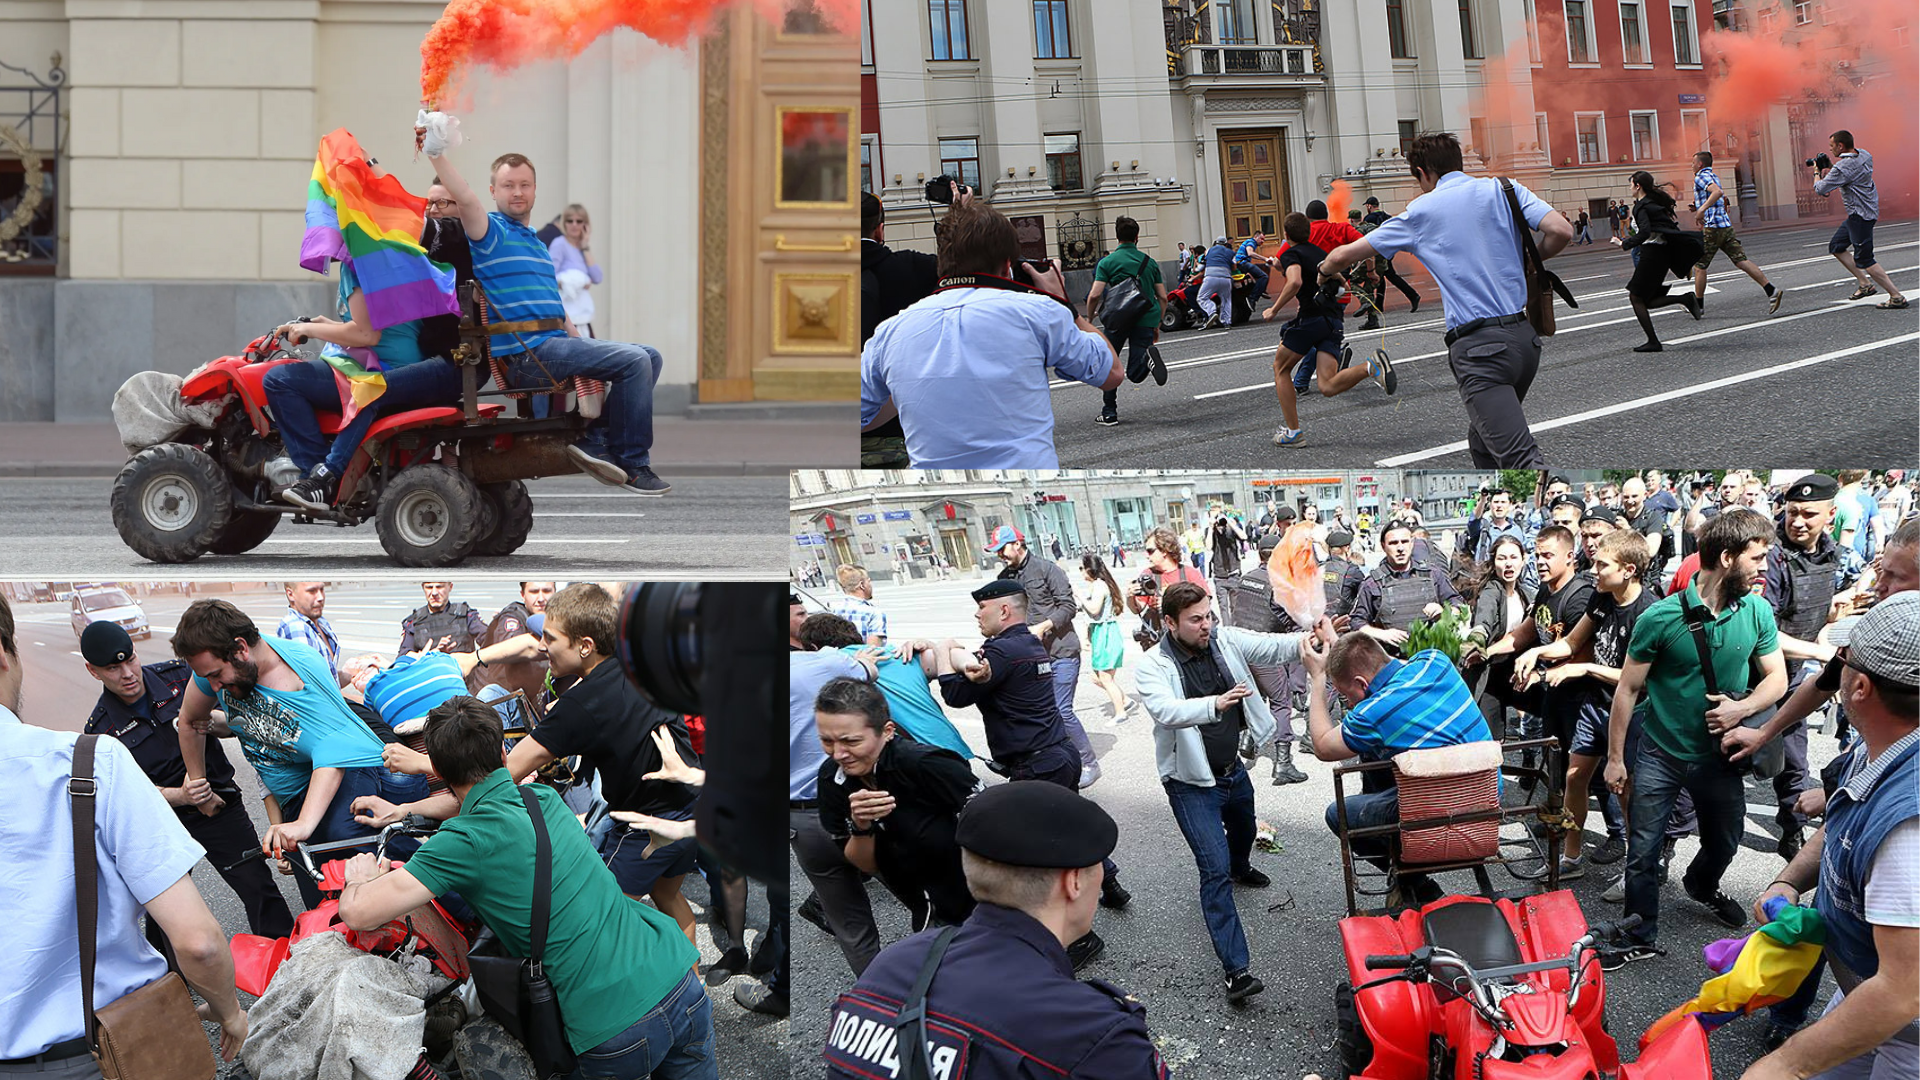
(83, 469)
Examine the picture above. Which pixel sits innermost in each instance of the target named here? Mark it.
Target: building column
(1125, 47)
(1448, 69)
(1010, 137)
(1362, 101)
(908, 143)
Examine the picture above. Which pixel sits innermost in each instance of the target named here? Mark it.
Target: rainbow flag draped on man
(372, 224)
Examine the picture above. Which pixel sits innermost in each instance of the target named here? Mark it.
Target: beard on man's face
(246, 675)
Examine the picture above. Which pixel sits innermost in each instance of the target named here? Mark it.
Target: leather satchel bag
(515, 991)
(1542, 283)
(153, 1032)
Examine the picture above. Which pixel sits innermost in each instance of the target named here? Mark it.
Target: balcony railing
(1248, 60)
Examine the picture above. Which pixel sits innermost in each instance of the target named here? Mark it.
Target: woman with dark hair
(1500, 603)
(1664, 247)
(1106, 646)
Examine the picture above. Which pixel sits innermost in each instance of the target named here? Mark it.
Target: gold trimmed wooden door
(780, 299)
(1253, 182)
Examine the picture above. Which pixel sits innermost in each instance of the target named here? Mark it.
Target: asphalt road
(1822, 380)
(708, 528)
(1158, 947)
(59, 694)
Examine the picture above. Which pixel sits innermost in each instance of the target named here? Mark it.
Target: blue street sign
(898, 515)
(863, 519)
(1693, 99)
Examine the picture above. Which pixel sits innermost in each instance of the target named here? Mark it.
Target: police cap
(1568, 500)
(1036, 823)
(105, 644)
(1268, 541)
(1600, 513)
(1813, 487)
(1283, 512)
(1339, 539)
(997, 588)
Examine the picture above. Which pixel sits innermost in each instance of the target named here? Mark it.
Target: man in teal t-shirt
(1128, 262)
(623, 972)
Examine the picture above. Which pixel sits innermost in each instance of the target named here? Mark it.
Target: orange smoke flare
(1338, 200)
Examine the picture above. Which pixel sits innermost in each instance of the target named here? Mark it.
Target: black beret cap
(997, 588)
(1268, 541)
(1036, 823)
(1813, 487)
(1283, 512)
(1600, 513)
(1339, 539)
(105, 644)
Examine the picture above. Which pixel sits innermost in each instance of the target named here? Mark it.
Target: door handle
(845, 245)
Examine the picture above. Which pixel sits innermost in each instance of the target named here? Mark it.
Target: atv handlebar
(1393, 962)
(410, 825)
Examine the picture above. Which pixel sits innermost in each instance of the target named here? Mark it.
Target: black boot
(1284, 771)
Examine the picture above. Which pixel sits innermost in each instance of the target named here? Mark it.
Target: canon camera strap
(995, 281)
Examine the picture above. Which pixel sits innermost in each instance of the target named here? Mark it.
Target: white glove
(443, 131)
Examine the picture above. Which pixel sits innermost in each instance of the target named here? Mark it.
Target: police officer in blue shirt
(995, 998)
(138, 706)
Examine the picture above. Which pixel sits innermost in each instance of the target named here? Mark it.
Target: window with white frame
(1237, 25)
(1693, 129)
(869, 160)
(960, 159)
(1063, 162)
(1591, 132)
(1579, 24)
(1686, 42)
(1646, 135)
(1533, 33)
(866, 34)
(1540, 133)
(1769, 19)
(1803, 12)
(1633, 33)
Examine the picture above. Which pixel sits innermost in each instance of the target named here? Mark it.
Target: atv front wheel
(429, 515)
(1172, 318)
(1356, 1049)
(484, 1051)
(248, 530)
(172, 503)
(512, 518)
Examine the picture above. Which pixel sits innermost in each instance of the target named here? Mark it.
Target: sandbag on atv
(333, 1012)
(148, 410)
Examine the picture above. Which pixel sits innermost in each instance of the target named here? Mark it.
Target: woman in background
(1099, 596)
(572, 252)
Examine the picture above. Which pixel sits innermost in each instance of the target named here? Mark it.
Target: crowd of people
(958, 350)
(1675, 636)
(466, 710)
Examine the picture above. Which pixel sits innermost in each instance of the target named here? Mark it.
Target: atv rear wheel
(429, 515)
(172, 503)
(248, 530)
(512, 518)
(1356, 1049)
(484, 1051)
(1172, 317)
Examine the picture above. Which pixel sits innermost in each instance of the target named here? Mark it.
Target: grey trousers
(1494, 366)
(843, 895)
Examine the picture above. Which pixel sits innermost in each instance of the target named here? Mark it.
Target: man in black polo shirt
(892, 803)
(889, 281)
(138, 706)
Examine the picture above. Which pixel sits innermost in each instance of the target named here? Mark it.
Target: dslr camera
(1818, 161)
(939, 189)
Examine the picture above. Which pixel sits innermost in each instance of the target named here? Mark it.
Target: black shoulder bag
(1124, 302)
(515, 991)
(1771, 756)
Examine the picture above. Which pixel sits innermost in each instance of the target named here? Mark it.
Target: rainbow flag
(1763, 968)
(372, 224)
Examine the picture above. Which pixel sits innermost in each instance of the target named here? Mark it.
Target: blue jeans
(1219, 826)
(1066, 676)
(1720, 800)
(296, 392)
(338, 824)
(624, 430)
(673, 1041)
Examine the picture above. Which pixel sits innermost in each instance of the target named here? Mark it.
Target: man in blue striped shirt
(1392, 705)
(517, 272)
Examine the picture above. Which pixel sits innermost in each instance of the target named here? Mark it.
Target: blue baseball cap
(1002, 536)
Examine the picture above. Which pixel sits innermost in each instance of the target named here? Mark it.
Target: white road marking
(586, 514)
(538, 541)
(1670, 395)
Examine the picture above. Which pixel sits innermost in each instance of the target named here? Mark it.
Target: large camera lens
(660, 643)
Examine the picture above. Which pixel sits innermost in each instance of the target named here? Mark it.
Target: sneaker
(601, 469)
(1089, 775)
(1113, 894)
(1380, 370)
(1213, 321)
(1242, 986)
(1107, 417)
(1251, 878)
(1611, 851)
(1617, 892)
(1773, 302)
(315, 492)
(1288, 436)
(1696, 305)
(1572, 868)
(645, 482)
(1156, 365)
(1616, 958)
(1086, 950)
(757, 997)
(1722, 907)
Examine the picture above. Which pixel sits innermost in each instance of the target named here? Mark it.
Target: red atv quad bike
(1491, 986)
(439, 483)
(1182, 308)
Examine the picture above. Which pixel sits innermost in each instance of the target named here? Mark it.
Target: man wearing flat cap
(1804, 570)
(138, 705)
(1865, 858)
(995, 998)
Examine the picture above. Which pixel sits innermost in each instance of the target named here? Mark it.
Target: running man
(1315, 331)
(1719, 229)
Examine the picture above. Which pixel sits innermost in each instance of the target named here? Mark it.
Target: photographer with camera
(1165, 566)
(1716, 619)
(1132, 311)
(966, 369)
(1851, 171)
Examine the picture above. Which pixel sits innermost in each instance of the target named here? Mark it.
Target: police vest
(1252, 607)
(1403, 598)
(1333, 578)
(431, 626)
(1809, 589)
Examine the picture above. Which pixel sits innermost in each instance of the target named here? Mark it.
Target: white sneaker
(1617, 892)
(1288, 436)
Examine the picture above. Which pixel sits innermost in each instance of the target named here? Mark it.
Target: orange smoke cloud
(1338, 200)
(504, 34)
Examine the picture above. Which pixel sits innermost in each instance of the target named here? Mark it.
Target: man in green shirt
(1130, 263)
(623, 972)
(1679, 748)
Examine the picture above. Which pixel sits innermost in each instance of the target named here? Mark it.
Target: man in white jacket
(1195, 684)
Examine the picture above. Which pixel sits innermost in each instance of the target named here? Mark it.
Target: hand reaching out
(671, 766)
